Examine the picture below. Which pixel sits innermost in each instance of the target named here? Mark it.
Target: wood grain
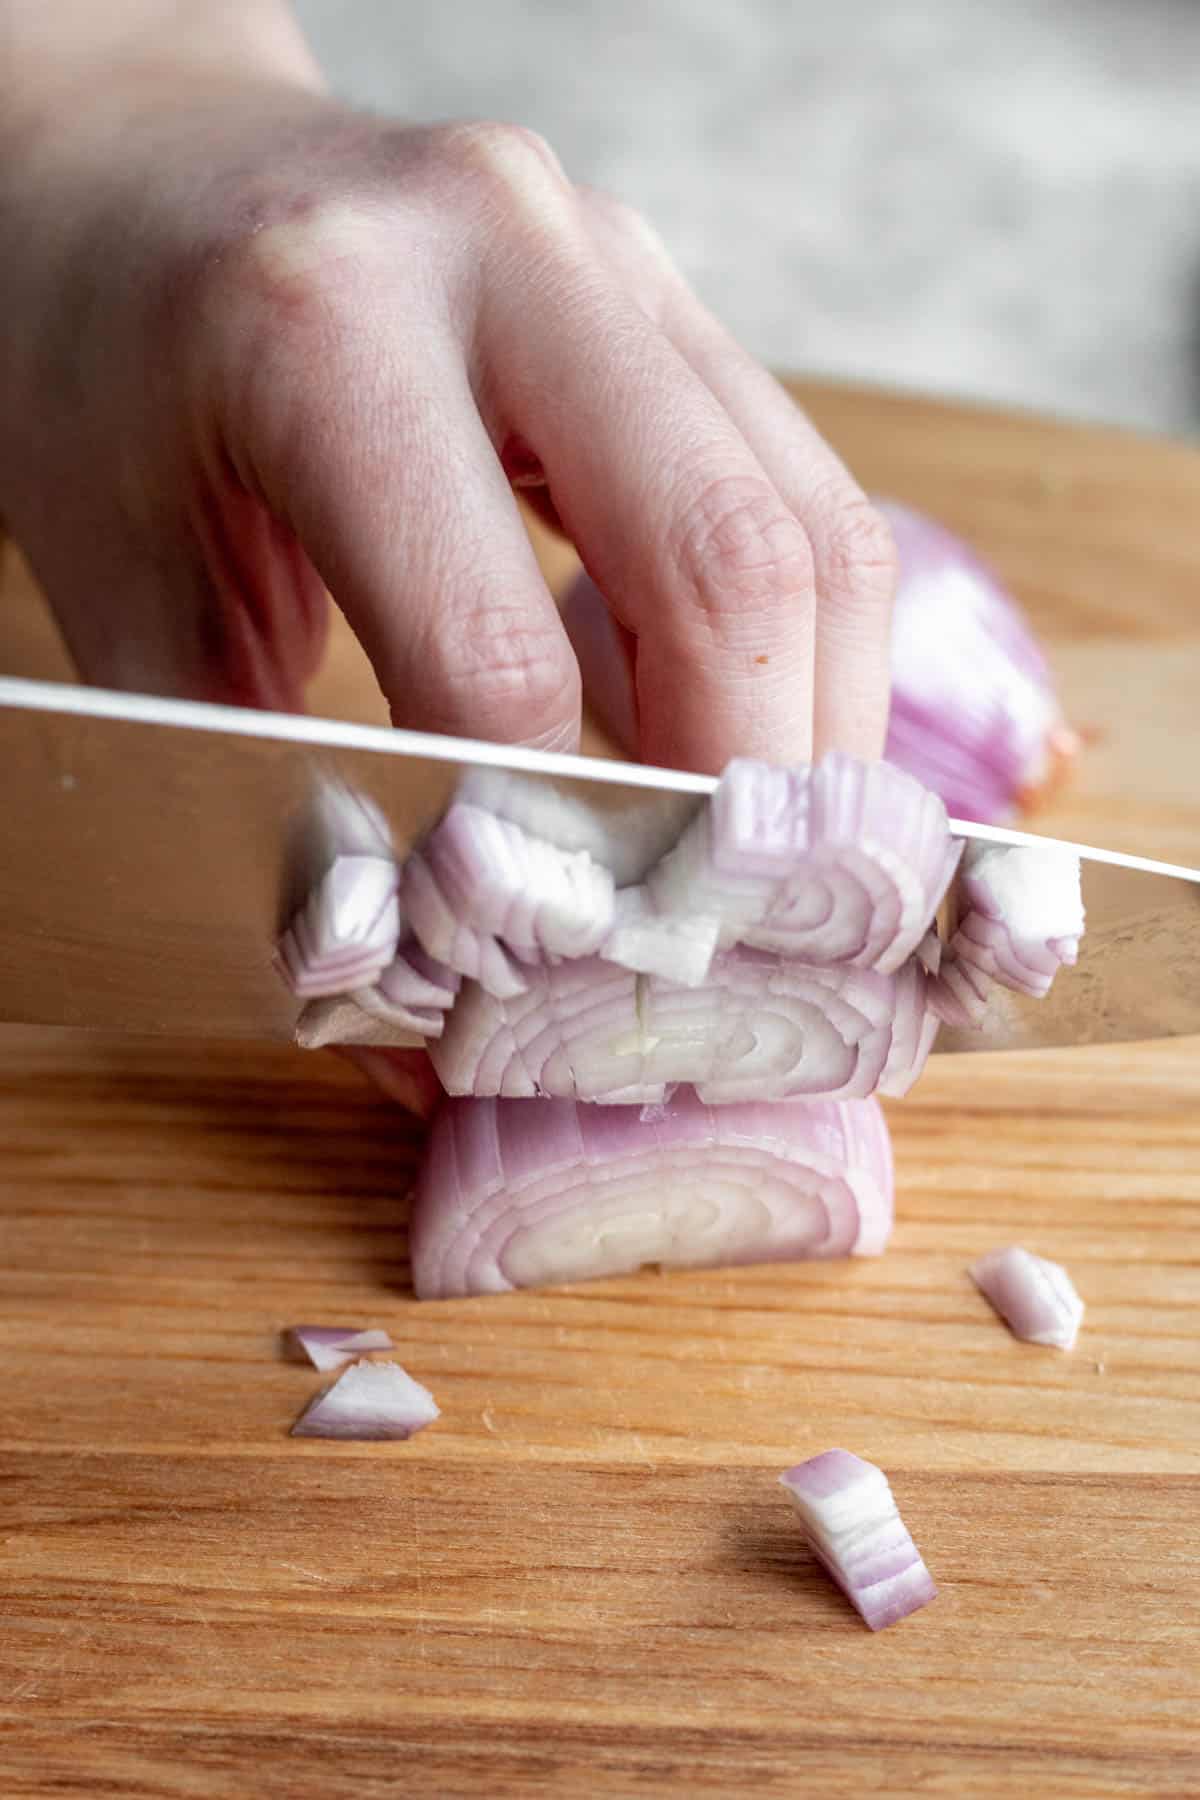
(583, 1580)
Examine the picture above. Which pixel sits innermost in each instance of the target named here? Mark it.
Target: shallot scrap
(329, 1346)
(853, 1527)
(1021, 920)
(1036, 1298)
(370, 1402)
(346, 933)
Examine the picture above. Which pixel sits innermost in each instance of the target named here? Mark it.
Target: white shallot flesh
(1021, 918)
(853, 1527)
(329, 1346)
(760, 1028)
(678, 946)
(346, 932)
(369, 1403)
(511, 1195)
(1036, 1298)
(625, 830)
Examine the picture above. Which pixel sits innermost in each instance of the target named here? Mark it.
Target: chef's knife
(151, 850)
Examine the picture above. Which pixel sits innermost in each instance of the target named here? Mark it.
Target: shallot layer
(514, 1195)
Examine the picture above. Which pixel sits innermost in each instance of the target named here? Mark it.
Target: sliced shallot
(853, 1527)
(329, 1346)
(760, 1028)
(370, 1402)
(346, 933)
(843, 863)
(414, 993)
(483, 888)
(514, 1195)
(1036, 1298)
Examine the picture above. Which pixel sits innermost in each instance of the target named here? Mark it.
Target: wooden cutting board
(583, 1580)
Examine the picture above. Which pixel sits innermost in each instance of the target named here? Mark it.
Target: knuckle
(617, 216)
(510, 159)
(741, 554)
(855, 550)
(267, 286)
(628, 237)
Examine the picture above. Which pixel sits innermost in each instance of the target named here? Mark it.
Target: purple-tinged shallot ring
(513, 1194)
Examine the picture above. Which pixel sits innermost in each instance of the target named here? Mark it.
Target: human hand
(255, 345)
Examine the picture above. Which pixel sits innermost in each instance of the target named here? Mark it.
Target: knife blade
(153, 849)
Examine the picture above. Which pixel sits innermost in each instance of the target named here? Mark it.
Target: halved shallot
(370, 1402)
(513, 1195)
(852, 1525)
(760, 1028)
(1036, 1299)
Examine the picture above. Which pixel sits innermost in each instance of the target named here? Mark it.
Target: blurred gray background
(997, 199)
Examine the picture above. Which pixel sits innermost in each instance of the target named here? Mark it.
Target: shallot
(514, 1195)
(974, 712)
(1036, 1299)
(368, 1403)
(760, 1028)
(346, 933)
(1021, 920)
(482, 891)
(852, 1525)
(841, 863)
(329, 1346)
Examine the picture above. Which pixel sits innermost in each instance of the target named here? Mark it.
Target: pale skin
(257, 348)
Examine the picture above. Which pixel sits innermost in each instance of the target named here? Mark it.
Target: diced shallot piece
(370, 1402)
(678, 946)
(853, 1527)
(760, 1028)
(329, 1346)
(1035, 1298)
(515, 1195)
(1021, 919)
(346, 932)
